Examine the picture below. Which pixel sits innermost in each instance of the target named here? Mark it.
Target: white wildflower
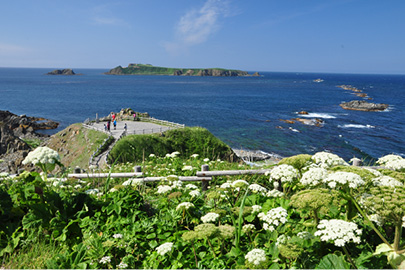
(305, 235)
(226, 185)
(105, 259)
(313, 176)
(388, 158)
(122, 265)
(206, 159)
(256, 256)
(386, 181)
(282, 239)
(194, 155)
(396, 165)
(191, 186)
(210, 217)
(187, 168)
(273, 217)
(375, 172)
(256, 209)
(152, 155)
(118, 236)
(256, 188)
(164, 248)
(78, 186)
(239, 183)
(113, 190)
(184, 205)
(93, 191)
(42, 155)
(248, 228)
(344, 178)
(274, 193)
(284, 173)
(177, 184)
(377, 219)
(3, 174)
(195, 193)
(163, 189)
(403, 221)
(326, 160)
(338, 231)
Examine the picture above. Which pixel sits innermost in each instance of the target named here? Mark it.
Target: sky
(332, 36)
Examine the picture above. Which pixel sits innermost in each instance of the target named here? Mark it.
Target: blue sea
(244, 112)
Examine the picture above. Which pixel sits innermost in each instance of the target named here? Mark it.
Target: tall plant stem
(397, 239)
(369, 222)
(195, 257)
(349, 258)
(212, 248)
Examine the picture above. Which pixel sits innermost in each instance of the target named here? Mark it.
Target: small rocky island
(141, 69)
(362, 105)
(66, 71)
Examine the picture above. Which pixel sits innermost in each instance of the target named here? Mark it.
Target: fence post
(137, 169)
(204, 184)
(357, 162)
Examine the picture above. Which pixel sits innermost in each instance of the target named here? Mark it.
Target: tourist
(108, 125)
(125, 127)
(115, 124)
(134, 116)
(105, 127)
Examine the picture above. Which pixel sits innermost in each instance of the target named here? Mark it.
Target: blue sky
(338, 36)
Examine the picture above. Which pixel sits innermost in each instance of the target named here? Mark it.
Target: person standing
(108, 125)
(115, 124)
(125, 127)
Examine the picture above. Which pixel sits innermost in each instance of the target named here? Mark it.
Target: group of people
(107, 126)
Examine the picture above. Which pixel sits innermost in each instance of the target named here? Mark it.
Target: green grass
(187, 141)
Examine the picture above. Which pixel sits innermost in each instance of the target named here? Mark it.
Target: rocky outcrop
(221, 73)
(66, 71)
(362, 105)
(115, 71)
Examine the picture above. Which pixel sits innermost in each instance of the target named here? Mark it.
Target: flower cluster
(338, 231)
(388, 159)
(184, 205)
(210, 217)
(274, 217)
(256, 209)
(396, 165)
(256, 188)
(313, 176)
(122, 265)
(256, 256)
(274, 193)
(42, 155)
(195, 193)
(164, 248)
(173, 155)
(133, 182)
(163, 189)
(239, 183)
(327, 160)
(187, 168)
(105, 259)
(284, 173)
(386, 181)
(248, 228)
(344, 178)
(118, 236)
(305, 235)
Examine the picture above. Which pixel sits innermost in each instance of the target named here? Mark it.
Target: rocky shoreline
(15, 131)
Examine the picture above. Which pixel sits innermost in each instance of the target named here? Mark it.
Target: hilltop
(142, 69)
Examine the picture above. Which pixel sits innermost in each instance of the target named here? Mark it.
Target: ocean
(244, 112)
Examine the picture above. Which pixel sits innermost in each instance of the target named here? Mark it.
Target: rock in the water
(66, 71)
(362, 105)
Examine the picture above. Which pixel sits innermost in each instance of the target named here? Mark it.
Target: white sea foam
(355, 126)
(318, 115)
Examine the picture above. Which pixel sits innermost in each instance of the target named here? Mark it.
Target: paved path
(133, 127)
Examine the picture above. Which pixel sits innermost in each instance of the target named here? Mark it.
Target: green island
(306, 211)
(147, 69)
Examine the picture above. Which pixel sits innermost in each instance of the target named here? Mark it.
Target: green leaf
(332, 261)
(151, 236)
(382, 248)
(153, 243)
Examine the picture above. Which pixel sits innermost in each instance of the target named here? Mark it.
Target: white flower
(210, 217)
(152, 155)
(93, 191)
(326, 160)
(403, 221)
(388, 158)
(239, 183)
(305, 235)
(273, 217)
(195, 193)
(206, 159)
(375, 172)
(226, 185)
(3, 174)
(113, 190)
(194, 155)
(163, 189)
(256, 188)
(344, 178)
(105, 259)
(78, 186)
(248, 228)
(184, 205)
(117, 236)
(122, 265)
(274, 193)
(313, 176)
(283, 172)
(282, 239)
(187, 168)
(396, 164)
(256, 256)
(191, 186)
(43, 155)
(386, 181)
(177, 184)
(164, 248)
(133, 182)
(256, 209)
(338, 231)
(377, 219)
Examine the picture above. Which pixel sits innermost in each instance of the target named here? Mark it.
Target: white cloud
(197, 25)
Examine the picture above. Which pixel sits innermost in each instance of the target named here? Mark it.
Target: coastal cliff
(141, 69)
(66, 71)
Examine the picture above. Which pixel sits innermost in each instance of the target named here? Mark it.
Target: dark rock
(178, 73)
(256, 74)
(362, 105)
(303, 112)
(66, 71)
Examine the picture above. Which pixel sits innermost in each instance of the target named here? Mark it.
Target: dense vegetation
(186, 141)
(321, 213)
